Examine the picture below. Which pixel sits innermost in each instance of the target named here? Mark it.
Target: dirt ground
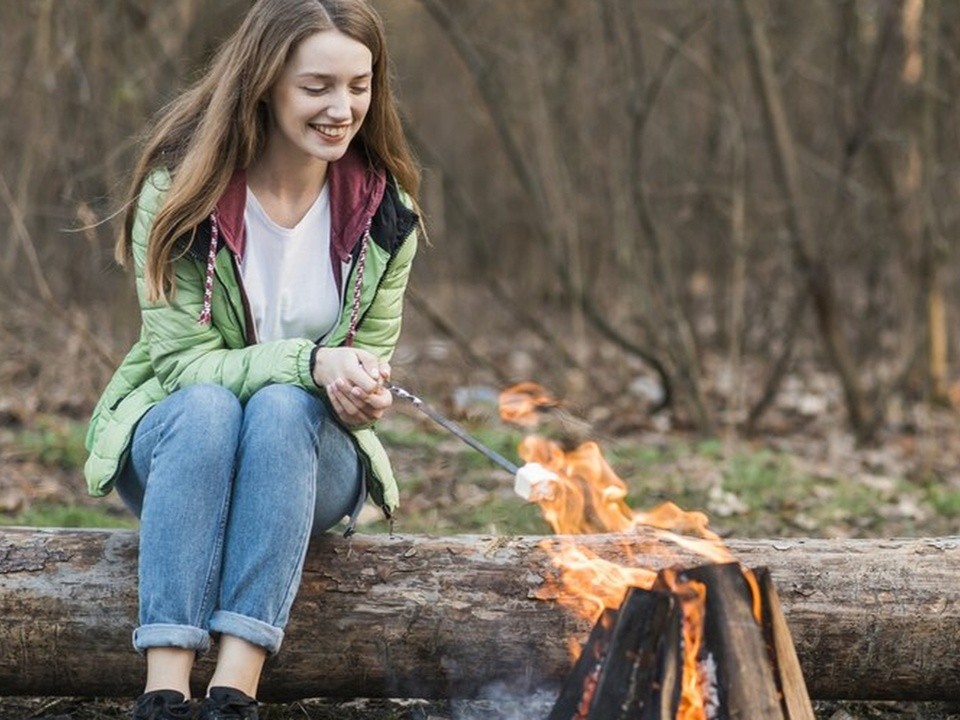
(530, 709)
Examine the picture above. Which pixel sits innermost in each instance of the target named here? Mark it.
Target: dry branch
(809, 261)
(444, 617)
(448, 328)
(98, 349)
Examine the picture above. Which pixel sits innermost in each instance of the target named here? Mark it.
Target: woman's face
(322, 96)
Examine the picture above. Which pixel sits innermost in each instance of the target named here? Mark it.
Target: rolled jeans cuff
(169, 635)
(247, 628)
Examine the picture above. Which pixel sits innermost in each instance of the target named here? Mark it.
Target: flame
(693, 604)
(593, 583)
(589, 497)
(519, 404)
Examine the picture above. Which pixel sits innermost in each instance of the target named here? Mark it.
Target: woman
(272, 235)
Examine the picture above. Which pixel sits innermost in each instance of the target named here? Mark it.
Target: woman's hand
(355, 383)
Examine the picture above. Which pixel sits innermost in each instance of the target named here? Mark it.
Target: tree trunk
(416, 616)
(934, 243)
(810, 262)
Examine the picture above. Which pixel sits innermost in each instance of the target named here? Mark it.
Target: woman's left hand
(355, 382)
(356, 407)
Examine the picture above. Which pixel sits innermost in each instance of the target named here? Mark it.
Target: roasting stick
(526, 478)
(448, 424)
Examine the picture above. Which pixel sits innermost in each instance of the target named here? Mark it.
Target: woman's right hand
(355, 383)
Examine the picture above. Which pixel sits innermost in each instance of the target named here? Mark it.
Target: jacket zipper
(386, 270)
(250, 327)
(243, 319)
(346, 267)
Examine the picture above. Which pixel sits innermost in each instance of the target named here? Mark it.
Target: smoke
(498, 701)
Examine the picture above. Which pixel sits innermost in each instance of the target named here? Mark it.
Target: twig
(782, 363)
(423, 307)
(491, 93)
(26, 242)
(481, 245)
(100, 351)
(818, 276)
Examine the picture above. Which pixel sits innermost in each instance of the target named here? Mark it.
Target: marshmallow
(532, 477)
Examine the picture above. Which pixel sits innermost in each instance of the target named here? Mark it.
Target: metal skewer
(420, 405)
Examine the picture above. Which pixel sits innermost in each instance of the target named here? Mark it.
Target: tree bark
(417, 616)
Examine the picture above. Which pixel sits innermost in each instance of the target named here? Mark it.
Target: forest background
(723, 233)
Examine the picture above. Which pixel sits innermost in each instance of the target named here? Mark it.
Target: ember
(707, 643)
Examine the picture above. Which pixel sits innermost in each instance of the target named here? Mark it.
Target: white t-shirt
(287, 273)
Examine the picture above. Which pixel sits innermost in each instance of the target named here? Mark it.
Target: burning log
(726, 664)
(630, 668)
(733, 648)
(783, 654)
(414, 616)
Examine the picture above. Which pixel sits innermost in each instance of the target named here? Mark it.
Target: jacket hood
(356, 189)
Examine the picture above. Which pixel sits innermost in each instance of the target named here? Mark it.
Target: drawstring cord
(358, 287)
(206, 313)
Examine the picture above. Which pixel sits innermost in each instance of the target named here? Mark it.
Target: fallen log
(418, 616)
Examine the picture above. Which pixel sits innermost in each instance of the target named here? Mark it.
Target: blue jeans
(228, 496)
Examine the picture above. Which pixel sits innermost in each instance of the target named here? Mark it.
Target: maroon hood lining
(356, 190)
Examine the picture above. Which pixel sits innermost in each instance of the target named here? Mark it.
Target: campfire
(700, 643)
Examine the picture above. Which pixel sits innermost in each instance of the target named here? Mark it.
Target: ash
(708, 686)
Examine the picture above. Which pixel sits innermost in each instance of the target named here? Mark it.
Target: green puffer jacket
(175, 350)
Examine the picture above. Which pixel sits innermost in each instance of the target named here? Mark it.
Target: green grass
(52, 441)
(758, 474)
(449, 488)
(79, 516)
(496, 517)
(946, 501)
(746, 490)
(406, 435)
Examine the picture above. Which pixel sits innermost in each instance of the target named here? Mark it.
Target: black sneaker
(226, 703)
(164, 705)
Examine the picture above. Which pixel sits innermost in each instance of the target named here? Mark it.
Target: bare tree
(817, 275)
(631, 180)
(558, 170)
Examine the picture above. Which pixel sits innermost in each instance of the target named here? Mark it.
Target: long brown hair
(220, 124)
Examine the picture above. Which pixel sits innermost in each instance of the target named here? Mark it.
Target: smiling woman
(317, 106)
(272, 224)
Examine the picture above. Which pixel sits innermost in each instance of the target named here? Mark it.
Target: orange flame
(693, 602)
(596, 583)
(519, 404)
(589, 497)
